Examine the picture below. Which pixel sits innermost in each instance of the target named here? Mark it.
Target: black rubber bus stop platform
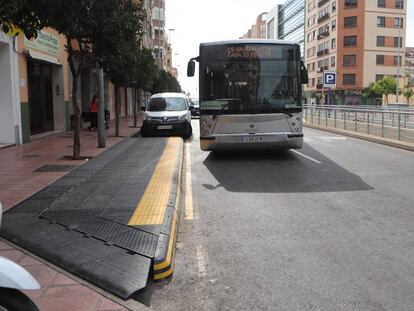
(81, 221)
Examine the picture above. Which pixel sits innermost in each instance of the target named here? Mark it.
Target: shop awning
(43, 57)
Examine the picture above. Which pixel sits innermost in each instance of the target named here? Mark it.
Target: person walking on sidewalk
(93, 107)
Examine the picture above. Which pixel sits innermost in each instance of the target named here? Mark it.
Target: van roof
(169, 94)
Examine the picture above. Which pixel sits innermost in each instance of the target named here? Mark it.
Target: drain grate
(55, 168)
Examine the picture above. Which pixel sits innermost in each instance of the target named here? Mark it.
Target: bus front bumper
(273, 141)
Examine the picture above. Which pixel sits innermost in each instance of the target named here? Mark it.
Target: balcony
(322, 52)
(322, 2)
(323, 35)
(322, 69)
(323, 18)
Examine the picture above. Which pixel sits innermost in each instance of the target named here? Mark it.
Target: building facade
(409, 61)
(159, 41)
(291, 22)
(362, 41)
(10, 120)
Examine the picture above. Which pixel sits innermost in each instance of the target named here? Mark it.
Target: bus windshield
(250, 78)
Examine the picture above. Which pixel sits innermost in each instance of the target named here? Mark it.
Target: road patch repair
(112, 221)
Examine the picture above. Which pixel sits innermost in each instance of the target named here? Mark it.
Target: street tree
(18, 14)
(89, 26)
(144, 71)
(408, 93)
(385, 86)
(117, 53)
(165, 82)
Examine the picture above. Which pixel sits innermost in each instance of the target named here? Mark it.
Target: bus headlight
(206, 125)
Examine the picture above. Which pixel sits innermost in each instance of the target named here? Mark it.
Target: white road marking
(188, 210)
(305, 156)
(201, 261)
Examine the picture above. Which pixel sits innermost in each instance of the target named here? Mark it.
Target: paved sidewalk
(26, 169)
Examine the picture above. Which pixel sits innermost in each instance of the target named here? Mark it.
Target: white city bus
(250, 94)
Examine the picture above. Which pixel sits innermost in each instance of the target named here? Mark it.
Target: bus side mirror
(303, 73)
(191, 68)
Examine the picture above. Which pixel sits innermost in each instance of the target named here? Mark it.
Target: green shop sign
(45, 42)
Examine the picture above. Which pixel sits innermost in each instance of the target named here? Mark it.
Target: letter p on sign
(329, 79)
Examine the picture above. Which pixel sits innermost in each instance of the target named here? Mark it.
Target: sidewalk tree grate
(55, 168)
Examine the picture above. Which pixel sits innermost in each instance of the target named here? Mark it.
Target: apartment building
(409, 61)
(362, 41)
(159, 39)
(258, 30)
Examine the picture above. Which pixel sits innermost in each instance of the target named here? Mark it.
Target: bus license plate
(252, 139)
(164, 127)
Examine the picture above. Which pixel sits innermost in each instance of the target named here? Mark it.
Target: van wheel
(14, 300)
(188, 131)
(144, 132)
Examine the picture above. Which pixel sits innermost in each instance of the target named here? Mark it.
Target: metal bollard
(344, 120)
(319, 117)
(382, 124)
(326, 117)
(356, 117)
(399, 126)
(334, 118)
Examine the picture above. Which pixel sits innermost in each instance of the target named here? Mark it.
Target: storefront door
(40, 97)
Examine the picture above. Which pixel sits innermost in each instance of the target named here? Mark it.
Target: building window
(381, 4)
(350, 40)
(333, 64)
(334, 7)
(350, 21)
(311, 5)
(333, 43)
(380, 41)
(379, 77)
(380, 59)
(349, 60)
(333, 25)
(349, 79)
(396, 41)
(380, 21)
(351, 4)
(313, 81)
(398, 23)
(399, 4)
(396, 60)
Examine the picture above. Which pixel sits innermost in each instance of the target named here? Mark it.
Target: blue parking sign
(329, 78)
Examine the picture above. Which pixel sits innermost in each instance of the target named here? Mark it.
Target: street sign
(329, 79)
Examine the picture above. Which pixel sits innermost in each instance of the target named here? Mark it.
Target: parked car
(196, 107)
(167, 114)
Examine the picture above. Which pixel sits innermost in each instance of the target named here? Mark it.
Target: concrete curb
(163, 263)
(375, 139)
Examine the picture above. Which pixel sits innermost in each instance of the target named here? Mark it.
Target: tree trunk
(135, 106)
(117, 110)
(76, 110)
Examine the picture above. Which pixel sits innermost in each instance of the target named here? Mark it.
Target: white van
(167, 114)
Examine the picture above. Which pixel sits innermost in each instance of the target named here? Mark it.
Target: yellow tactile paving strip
(151, 208)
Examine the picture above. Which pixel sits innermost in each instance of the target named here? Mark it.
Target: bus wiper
(283, 111)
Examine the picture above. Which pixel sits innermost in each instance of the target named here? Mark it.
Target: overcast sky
(196, 21)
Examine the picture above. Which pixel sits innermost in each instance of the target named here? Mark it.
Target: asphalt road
(328, 228)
